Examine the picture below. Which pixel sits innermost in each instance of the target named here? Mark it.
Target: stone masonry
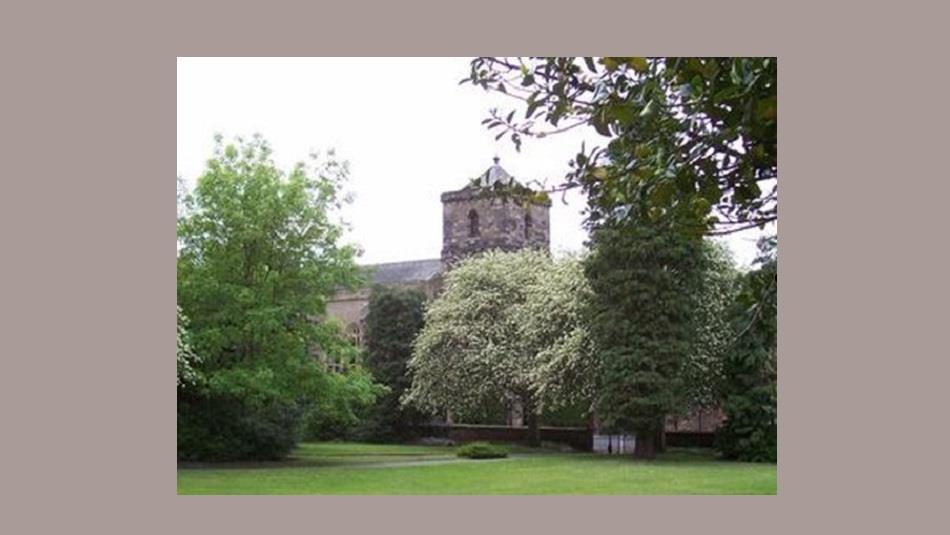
(473, 222)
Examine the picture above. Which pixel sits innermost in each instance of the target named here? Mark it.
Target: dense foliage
(507, 326)
(643, 322)
(259, 255)
(394, 318)
(690, 149)
(223, 426)
(694, 136)
(342, 411)
(751, 397)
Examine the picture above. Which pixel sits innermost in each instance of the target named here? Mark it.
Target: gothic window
(527, 226)
(473, 223)
(355, 332)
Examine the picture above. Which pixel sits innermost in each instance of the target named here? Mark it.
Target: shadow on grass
(333, 454)
(319, 455)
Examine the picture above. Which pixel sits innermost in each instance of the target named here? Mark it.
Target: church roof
(494, 175)
(405, 272)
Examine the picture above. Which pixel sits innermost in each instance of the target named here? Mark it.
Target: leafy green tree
(750, 432)
(394, 318)
(643, 323)
(259, 255)
(507, 326)
(346, 406)
(693, 136)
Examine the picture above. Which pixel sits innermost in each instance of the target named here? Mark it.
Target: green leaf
(599, 122)
(649, 109)
(662, 193)
(623, 113)
(711, 192)
(700, 206)
(639, 64)
(590, 64)
(532, 107)
(767, 109)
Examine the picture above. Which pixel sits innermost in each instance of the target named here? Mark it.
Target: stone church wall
(499, 223)
(348, 307)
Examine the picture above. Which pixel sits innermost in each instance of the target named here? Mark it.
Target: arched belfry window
(527, 226)
(473, 223)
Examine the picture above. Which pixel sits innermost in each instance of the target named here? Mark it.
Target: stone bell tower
(479, 217)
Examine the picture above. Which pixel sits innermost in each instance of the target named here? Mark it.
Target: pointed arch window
(473, 223)
(528, 223)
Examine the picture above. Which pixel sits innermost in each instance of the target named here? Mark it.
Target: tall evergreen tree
(394, 318)
(642, 323)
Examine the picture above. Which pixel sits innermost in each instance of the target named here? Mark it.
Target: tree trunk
(660, 440)
(534, 429)
(645, 447)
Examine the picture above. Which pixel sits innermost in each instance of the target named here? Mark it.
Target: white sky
(406, 126)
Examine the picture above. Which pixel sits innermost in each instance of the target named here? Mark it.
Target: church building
(475, 218)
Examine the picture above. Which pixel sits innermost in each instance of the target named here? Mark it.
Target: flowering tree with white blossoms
(187, 359)
(507, 326)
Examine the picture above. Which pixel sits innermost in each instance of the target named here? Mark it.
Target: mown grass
(349, 468)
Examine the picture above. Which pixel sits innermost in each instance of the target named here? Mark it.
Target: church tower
(481, 217)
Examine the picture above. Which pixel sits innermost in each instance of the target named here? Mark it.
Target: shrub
(340, 412)
(482, 450)
(750, 432)
(227, 428)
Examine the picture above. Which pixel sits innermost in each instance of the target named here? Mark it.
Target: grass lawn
(350, 468)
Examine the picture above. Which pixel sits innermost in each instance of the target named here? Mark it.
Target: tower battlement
(480, 217)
